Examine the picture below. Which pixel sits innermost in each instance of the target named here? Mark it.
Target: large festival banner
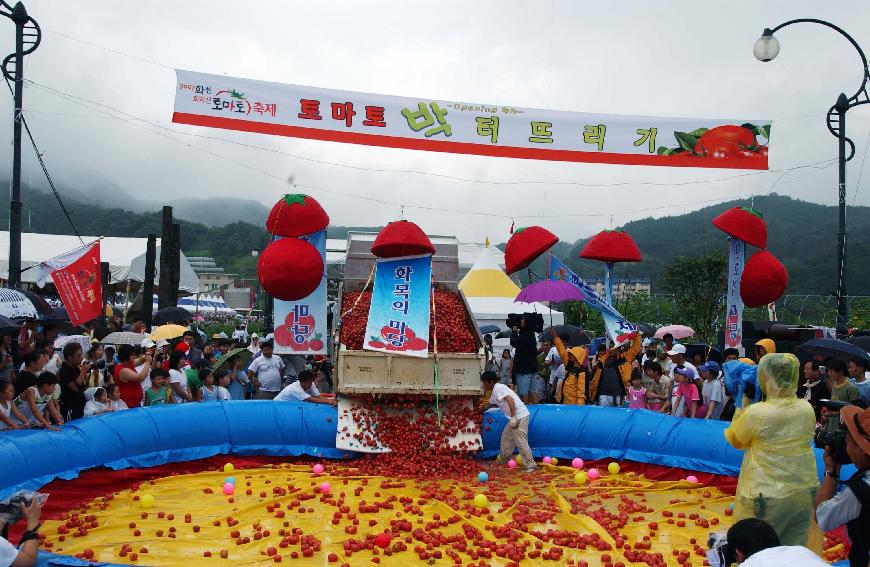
(734, 316)
(77, 278)
(300, 326)
(399, 315)
(615, 324)
(486, 129)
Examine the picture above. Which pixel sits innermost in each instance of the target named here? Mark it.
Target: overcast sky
(691, 59)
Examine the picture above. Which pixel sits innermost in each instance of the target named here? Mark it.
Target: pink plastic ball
(692, 478)
(593, 474)
(229, 488)
(317, 469)
(547, 460)
(512, 464)
(577, 463)
(325, 487)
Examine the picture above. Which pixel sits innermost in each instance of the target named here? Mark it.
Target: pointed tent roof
(487, 279)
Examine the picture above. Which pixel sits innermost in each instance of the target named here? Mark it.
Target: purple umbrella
(550, 290)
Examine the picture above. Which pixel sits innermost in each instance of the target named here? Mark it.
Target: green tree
(697, 284)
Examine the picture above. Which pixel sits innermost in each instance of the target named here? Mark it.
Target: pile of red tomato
(450, 324)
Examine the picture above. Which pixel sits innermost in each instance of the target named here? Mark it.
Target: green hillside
(802, 235)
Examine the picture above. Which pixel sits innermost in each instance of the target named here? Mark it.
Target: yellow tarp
(287, 496)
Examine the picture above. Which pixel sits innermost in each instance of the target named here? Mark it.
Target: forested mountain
(802, 235)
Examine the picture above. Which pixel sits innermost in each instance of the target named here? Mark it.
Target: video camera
(831, 432)
(534, 321)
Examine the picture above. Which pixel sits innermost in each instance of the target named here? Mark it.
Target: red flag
(80, 286)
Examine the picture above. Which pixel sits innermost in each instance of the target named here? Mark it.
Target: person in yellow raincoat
(572, 390)
(764, 346)
(778, 478)
(621, 357)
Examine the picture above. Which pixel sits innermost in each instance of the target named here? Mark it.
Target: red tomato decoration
(611, 246)
(383, 540)
(290, 269)
(525, 245)
(296, 215)
(726, 141)
(744, 223)
(401, 238)
(764, 280)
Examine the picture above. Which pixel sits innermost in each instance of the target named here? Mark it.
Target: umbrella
(56, 314)
(7, 325)
(676, 331)
(171, 315)
(489, 329)
(61, 342)
(167, 332)
(646, 329)
(123, 338)
(834, 348)
(550, 290)
(576, 335)
(16, 304)
(863, 342)
(243, 354)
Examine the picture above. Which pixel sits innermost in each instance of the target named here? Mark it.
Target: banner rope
(435, 354)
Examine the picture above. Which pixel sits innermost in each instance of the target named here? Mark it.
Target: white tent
(126, 257)
(490, 293)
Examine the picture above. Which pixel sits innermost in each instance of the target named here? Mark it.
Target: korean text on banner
(279, 109)
(79, 286)
(615, 324)
(300, 326)
(734, 317)
(399, 315)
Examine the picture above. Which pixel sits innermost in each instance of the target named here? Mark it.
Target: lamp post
(766, 48)
(27, 38)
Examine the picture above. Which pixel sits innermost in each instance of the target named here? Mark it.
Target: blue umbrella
(834, 348)
(489, 329)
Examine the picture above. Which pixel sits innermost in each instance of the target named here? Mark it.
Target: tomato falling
(419, 445)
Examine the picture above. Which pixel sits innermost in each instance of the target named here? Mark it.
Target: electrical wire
(63, 208)
(161, 131)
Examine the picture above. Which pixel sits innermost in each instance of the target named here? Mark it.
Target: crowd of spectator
(41, 386)
(651, 374)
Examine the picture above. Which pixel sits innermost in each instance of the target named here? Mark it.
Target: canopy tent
(208, 305)
(490, 293)
(126, 257)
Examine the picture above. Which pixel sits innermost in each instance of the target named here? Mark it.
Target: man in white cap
(678, 358)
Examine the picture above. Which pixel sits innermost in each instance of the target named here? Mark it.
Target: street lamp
(766, 48)
(27, 38)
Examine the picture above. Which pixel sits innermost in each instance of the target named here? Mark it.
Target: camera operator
(754, 543)
(25, 554)
(525, 355)
(852, 505)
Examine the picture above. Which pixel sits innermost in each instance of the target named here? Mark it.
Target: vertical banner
(79, 286)
(300, 326)
(399, 315)
(734, 317)
(615, 324)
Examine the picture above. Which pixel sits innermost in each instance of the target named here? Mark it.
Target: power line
(63, 208)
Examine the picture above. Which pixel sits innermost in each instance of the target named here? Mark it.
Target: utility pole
(27, 38)
(148, 284)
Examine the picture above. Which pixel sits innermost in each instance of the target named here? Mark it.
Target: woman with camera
(852, 505)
